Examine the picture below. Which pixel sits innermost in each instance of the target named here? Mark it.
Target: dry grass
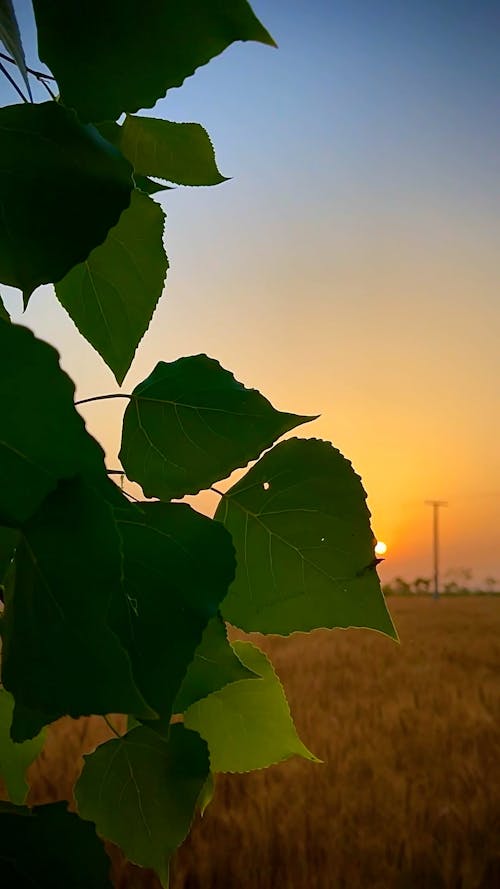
(409, 793)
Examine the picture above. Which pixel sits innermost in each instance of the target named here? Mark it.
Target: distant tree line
(458, 583)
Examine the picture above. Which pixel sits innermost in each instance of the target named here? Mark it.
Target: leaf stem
(47, 87)
(111, 726)
(127, 494)
(13, 83)
(134, 499)
(102, 398)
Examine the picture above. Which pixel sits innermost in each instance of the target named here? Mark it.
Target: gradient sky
(350, 267)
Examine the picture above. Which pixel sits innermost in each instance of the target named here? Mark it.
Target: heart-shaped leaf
(178, 152)
(59, 656)
(305, 549)
(111, 296)
(162, 44)
(190, 423)
(177, 569)
(63, 187)
(247, 725)
(141, 791)
(42, 436)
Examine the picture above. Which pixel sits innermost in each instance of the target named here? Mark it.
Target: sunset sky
(350, 267)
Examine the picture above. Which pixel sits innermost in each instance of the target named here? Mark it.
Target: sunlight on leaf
(178, 152)
(247, 725)
(305, 548)
(215, 664)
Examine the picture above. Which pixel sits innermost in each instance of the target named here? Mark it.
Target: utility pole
(435, 525)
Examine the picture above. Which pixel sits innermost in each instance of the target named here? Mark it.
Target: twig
(13, 83)
(39, 74)
(102, 398)
(47, 87)
(109, 724)
(127, 494)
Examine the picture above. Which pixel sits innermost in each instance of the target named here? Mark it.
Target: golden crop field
(408, 796)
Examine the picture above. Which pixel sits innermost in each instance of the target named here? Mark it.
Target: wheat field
(408, 795)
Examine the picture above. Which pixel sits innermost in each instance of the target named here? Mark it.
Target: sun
(380, 548)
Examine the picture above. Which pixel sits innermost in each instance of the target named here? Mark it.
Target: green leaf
(59, 656)
(11, 39)
(112, 132)
(178, 152)
(63, 187)
(177, 569)
(112, 295)
(247, 725)
(305, 549)
(141, 792)
(9, 538)
(26, 723)
(15, 758)
(149, 186)
(162, 45)
(42, 437)
(7, 808)
(190, 423)
(50, 848)
(6, 587)
(215, 665)
(207, 794)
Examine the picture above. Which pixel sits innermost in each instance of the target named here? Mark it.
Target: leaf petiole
(102, 398)
(111, 726)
